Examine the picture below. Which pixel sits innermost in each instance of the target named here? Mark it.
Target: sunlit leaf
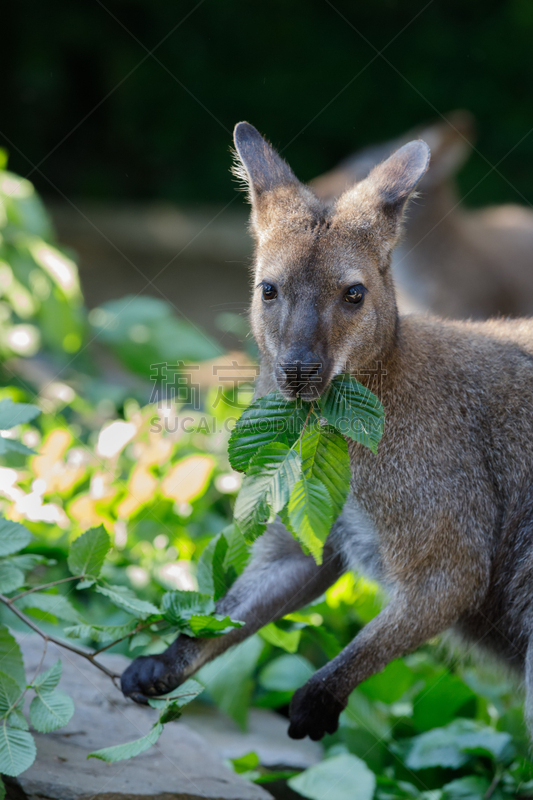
(325, 458)
(310, 514)
(130, 749)
(211, 625)
(188, 479)
(87, 553)
(287, 640)
(266, 488)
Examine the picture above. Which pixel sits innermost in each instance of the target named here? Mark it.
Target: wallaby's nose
(300, 371)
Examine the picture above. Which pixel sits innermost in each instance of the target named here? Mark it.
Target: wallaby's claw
(148, 676)
(314, 711)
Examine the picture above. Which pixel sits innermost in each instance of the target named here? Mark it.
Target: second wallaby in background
(455, 261)
(442, 516)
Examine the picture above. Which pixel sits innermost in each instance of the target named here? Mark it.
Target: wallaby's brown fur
(443, 514)
(454, 261)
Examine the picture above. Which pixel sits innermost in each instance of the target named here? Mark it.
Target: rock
(182, 766)
(266, 736)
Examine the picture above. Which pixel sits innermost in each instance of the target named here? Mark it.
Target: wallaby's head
(323, 296)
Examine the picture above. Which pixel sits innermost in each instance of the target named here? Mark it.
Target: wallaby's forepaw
(149, 676)
(314, 711)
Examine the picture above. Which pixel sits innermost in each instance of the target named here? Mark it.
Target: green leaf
(266, 487)
(179, 606)
(14, 446)
(171, 713)
(472, 787)
(228, 679)
(11, 658)
(122, 751)
(390, 684)
(245, 763)
(13, 537)
(12, 414)
(2, 789)
(311, 515)
(48, 680)
(183, 695)
(101, 633)
(17, 720)
(353, 410)
(17, 751)
(11, 577)
(55, 604)
(286, 673)
(438, 702)
(342, 777)
(50, 711)
(210, 572)
(325, 457)
(87, 553)
(453, 745)
(122, 597)
(203, 625)
(287, 640)
(221, 562)
(272, 418)
(9, 693)
(238, 553)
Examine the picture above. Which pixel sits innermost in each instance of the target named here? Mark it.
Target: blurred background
(121, 114)
(124, 247)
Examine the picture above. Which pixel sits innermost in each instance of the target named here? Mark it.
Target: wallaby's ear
(450, 141)
(378, 202)
(259, 166)
(395, 179)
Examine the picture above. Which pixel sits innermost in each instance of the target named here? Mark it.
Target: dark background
(101, 118)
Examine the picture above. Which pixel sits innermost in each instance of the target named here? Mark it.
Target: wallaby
(455, 262)
(442, 516)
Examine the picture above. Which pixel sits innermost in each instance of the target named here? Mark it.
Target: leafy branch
(297, 465)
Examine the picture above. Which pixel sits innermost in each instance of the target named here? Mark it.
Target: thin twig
(45, 586)
(47, 637)
(131, 633)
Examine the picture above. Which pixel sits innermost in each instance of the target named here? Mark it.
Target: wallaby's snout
(301, 372)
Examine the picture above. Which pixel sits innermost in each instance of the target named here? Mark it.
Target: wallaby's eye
(355, 293)
(269, 292)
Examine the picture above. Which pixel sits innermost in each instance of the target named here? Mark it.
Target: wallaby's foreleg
(278, 580)
(409, 620)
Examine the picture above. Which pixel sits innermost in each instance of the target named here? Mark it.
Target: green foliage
(342, 776)
(128, 545)
(120, 752)
(296, 466)
(144, 331)
(87, 553)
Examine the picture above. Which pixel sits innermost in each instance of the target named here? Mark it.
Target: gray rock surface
(182, 766)
(266, 736)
